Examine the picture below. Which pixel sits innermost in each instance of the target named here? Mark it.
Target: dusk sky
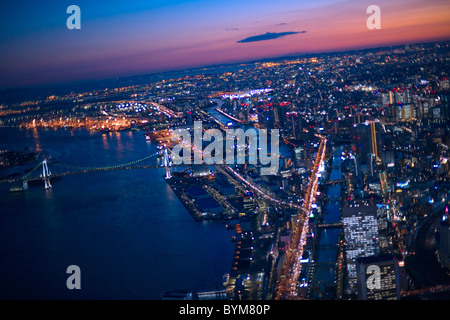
(125, 38)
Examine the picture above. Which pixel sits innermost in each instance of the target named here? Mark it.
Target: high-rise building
(383, 216)
(399, 105)
(361, 236)
(372, 169)
(366, 141)
(406, 111)
(378, 277)
(363, 144)
(278, 116)
(266, 118)
(297, 126)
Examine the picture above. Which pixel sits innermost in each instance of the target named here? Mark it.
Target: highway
(287, 286)
(264, 194)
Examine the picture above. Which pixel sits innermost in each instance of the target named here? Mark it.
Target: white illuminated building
(361, 236)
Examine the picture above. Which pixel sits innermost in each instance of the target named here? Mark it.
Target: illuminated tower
(167, 163)
(46, 174)
(373, 134)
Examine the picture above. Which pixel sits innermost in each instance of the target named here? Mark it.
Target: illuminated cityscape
(357, 210)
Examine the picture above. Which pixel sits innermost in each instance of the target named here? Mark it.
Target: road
(264, 194)
(287, 286)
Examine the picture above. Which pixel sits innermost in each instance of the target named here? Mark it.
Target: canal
(323, 286)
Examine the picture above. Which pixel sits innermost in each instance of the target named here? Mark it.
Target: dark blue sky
(124, 38)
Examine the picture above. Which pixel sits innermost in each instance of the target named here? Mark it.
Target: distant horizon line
(59, 85)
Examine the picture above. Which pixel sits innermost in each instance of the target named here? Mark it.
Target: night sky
(125, 38)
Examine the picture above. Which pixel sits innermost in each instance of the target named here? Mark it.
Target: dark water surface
(126, 230)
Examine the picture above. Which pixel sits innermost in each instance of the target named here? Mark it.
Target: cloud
(281, 24)
(232, 29)
(268, 36)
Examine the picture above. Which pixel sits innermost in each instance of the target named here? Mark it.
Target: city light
(356, 206)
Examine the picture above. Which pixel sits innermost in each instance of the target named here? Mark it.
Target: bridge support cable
(106, 167)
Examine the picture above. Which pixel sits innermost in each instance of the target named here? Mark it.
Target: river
(326, 255)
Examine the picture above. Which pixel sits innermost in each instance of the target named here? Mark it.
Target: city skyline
(362, 172)
(223, 150)
(127, 39)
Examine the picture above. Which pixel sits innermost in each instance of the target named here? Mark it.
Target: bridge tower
(46, 174)
(167, 163)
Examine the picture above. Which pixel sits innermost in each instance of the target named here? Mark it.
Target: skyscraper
(378, 277)
(361, 236)
(367, 142)
(363, 144)
(383, 230)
